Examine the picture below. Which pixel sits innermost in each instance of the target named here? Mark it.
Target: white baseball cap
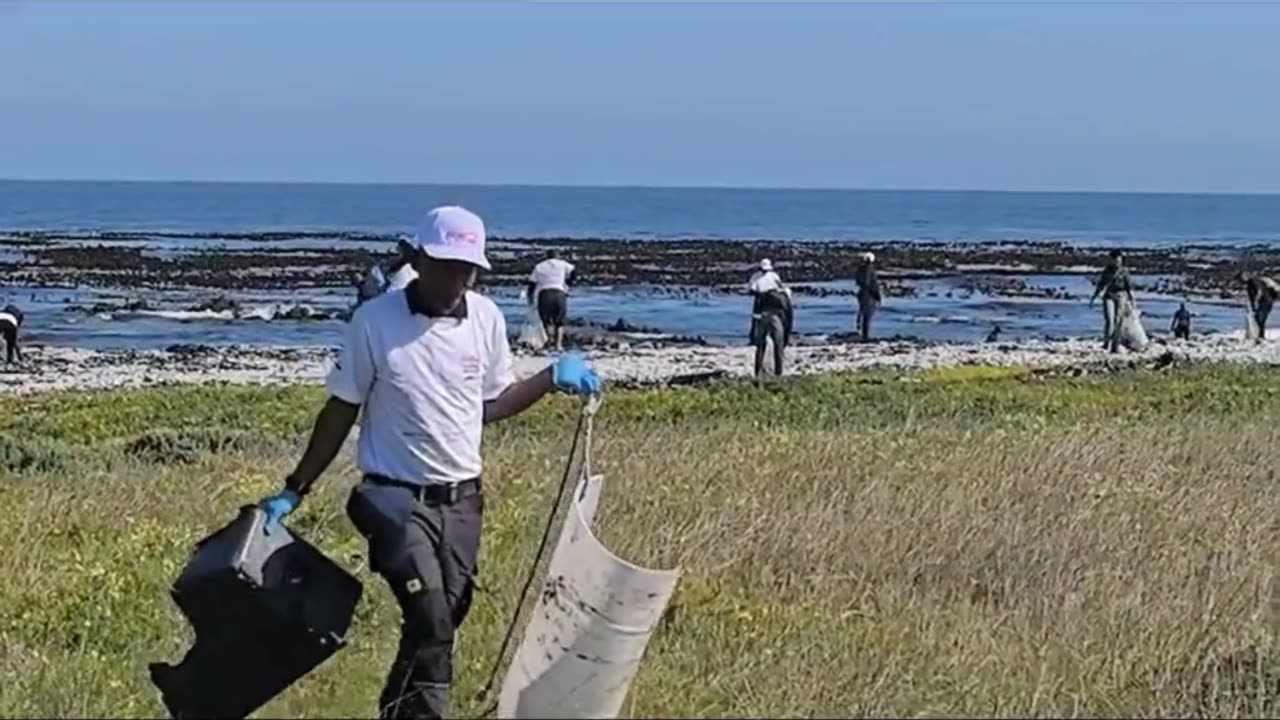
(766, 264)
(869, 257)
(451, 232)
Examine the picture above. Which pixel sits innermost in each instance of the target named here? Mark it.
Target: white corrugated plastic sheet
(589, 629)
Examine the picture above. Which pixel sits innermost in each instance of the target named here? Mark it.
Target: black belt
(434, 493)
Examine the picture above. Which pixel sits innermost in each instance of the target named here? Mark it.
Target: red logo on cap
(461, 237)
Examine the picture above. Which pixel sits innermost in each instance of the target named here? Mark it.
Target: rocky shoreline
(60, 368)
(53, 259)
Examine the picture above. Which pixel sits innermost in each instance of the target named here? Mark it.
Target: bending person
(549, 289)
(10, 322)
(1261, 292)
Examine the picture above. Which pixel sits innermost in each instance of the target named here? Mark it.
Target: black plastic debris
(266, 609)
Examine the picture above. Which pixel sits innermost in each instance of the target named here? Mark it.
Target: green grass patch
(968, 542)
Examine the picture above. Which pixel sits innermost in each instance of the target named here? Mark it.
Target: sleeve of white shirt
(352, 375)
(501, 373)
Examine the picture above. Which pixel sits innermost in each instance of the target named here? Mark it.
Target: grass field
(965, 542)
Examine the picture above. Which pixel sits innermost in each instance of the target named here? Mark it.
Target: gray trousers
(867, 305)
(1260, 315)
(764, 329)
(1110, 321)
(427, 554)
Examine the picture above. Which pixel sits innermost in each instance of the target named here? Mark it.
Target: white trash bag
(532, 334)
(1251, 329)
(589, 629)
(1129, 330)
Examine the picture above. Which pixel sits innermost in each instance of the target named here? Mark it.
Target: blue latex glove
(572, 373)
(277, 507)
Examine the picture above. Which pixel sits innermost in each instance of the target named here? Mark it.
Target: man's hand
(572, 373)
(277, 507)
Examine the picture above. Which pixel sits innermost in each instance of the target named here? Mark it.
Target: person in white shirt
(765, 279)
(424, 369)
(10, 323)
(396, 276)
(548, 287)
(771, 316)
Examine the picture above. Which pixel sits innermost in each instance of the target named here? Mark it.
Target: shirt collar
(416, 307)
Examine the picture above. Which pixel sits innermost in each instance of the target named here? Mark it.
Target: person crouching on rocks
(10, 321)
(1181, 327)
(869, 295)
(1113, 285)
(549, 289)
(771, 315)
(1262, 293)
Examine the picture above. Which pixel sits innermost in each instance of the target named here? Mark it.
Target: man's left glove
(572, 373)
(278, 506)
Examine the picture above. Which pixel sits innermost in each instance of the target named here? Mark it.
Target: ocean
(177, 209)
(642, 213)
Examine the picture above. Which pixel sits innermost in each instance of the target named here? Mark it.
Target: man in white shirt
(765, 279)
(397, 276)
(429, 366)
(10, 322)
(549, 289)
(771, 316)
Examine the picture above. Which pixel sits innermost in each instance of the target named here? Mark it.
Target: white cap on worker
(766, 265)
(452, 233)
(869, 257)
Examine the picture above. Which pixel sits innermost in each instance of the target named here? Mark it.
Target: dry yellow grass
(975, 545)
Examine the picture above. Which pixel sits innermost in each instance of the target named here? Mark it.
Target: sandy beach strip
(62, 368)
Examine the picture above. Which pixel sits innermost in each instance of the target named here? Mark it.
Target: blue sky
(1037, 96)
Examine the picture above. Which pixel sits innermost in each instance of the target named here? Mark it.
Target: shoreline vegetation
(624, 360)
(946, 540)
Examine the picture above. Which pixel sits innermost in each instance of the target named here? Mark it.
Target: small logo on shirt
(470, 367)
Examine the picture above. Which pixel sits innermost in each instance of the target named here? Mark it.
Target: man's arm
(332, 426)
(518, 397)
(349, 384)
(505, 396)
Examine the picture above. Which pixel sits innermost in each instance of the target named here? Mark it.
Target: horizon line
(635, 186)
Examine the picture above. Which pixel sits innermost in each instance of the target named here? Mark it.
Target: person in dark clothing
(1181, 326)
(1261, 292)
(771, 321)
(869, 295)
(10, 322)
(1112, 285)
